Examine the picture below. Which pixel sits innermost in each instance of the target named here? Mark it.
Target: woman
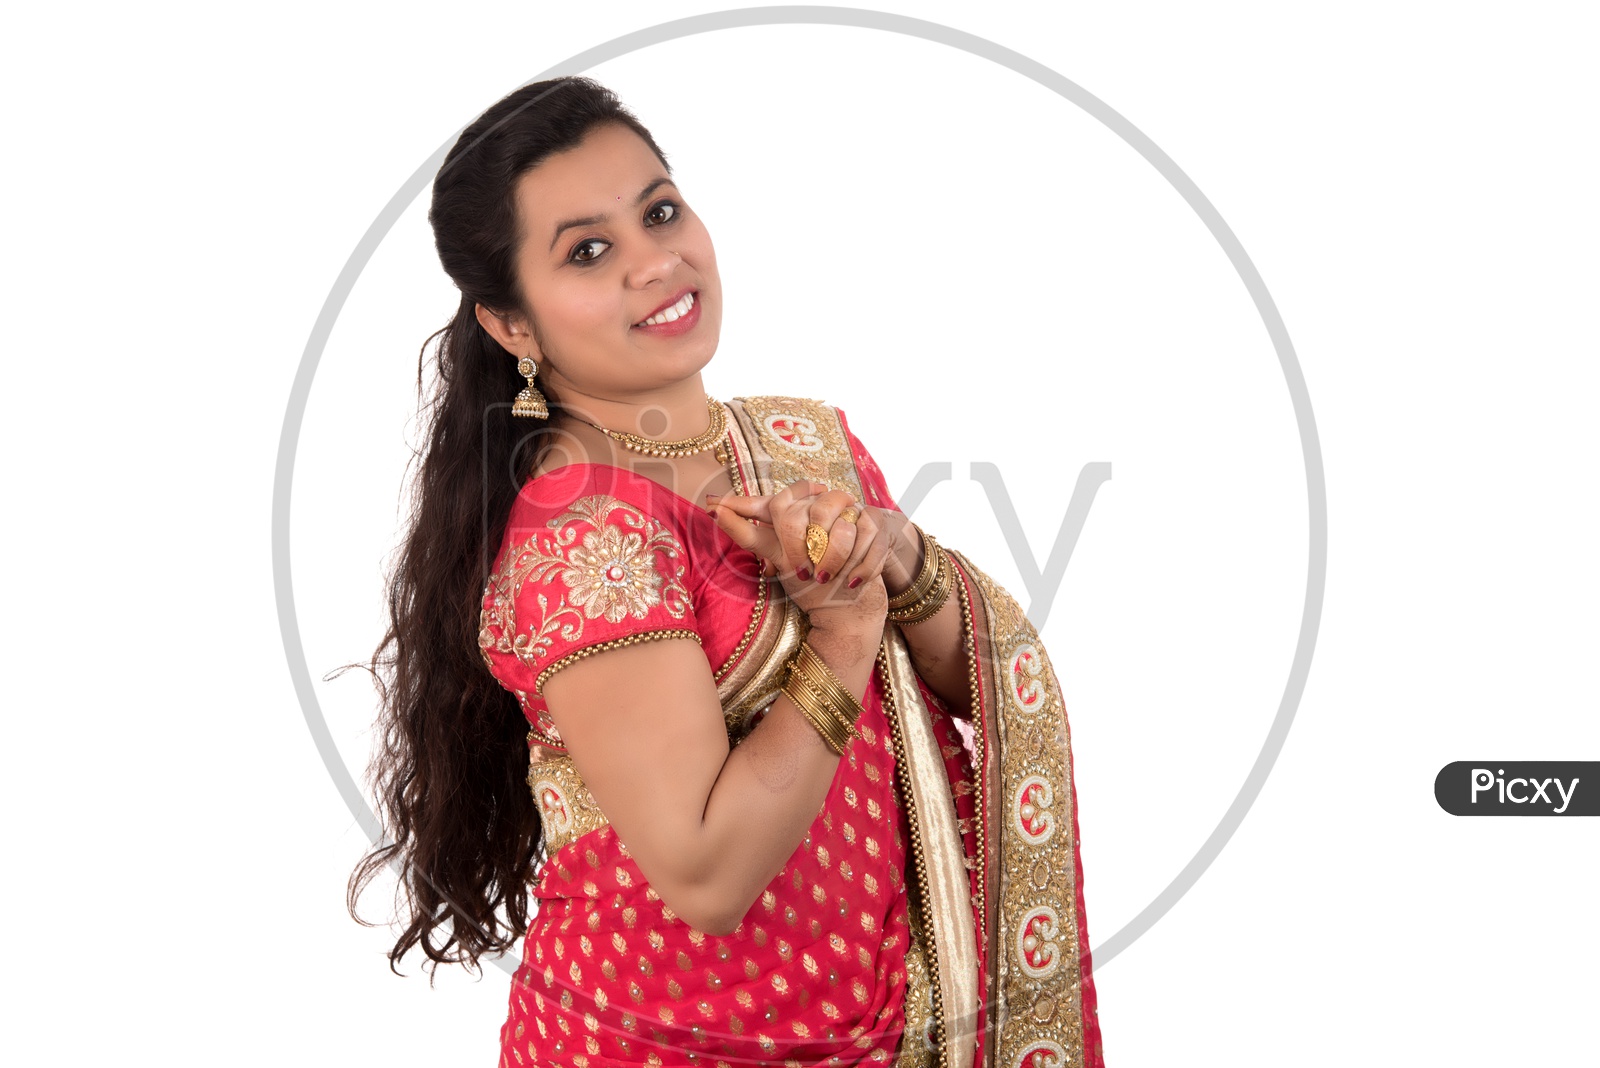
(684, 668)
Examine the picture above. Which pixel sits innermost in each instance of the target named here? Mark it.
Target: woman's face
(607, 246)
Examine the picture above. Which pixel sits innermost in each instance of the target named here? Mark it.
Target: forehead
(602, 173)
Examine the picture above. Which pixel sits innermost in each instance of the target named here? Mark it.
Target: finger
(827, 513)
(790, 515)
(748, 507)
(872, 561)
(818, 510)
(860, 536)
(873, 547)
(760, 540)
(797, 490)
(789, 528)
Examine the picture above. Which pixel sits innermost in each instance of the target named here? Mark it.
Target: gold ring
(849, 515)
(816, 543)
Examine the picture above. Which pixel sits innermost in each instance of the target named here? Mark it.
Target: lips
(680, 295)
(687, 319)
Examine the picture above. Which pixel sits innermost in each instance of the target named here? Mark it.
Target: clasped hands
(849, 572)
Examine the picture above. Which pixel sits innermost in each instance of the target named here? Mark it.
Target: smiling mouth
(674, 312)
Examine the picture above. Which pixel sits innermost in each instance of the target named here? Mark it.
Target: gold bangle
(816, 673)
(841, 726)
(822, 698)
(828, 721)
(925, 578)
(836, 734)
(929, 605)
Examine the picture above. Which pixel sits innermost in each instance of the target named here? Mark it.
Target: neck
(668, 413)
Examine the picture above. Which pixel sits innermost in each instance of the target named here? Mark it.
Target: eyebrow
(594, 220)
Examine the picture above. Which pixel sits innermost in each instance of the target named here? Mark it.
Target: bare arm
(710, 827)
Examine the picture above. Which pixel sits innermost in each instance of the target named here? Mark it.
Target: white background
(975, 271)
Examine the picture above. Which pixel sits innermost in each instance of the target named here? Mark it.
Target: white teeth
(670, 314)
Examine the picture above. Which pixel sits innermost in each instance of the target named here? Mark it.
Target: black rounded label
(1519, 788)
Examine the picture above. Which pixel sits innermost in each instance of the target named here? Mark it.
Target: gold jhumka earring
(530, 402)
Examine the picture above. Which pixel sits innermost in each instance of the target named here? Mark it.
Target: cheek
(575, 309)
(706, 256)
(697, 237)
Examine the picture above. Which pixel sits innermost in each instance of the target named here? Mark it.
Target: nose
(652, 261)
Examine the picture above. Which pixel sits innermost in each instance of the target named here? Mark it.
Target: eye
(588, 251)
(661, 212)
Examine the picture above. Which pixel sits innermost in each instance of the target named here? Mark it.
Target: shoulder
(804, 424)
(580, 566)
(809, 438)
(790, 424)
(587, 495)
(764, 404)
(609, 540)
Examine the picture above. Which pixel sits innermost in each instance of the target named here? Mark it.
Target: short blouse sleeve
(599, 573)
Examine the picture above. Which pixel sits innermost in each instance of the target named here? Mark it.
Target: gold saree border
(1038, 1005)
(916, 1042)
(736, 669)
(801, 439)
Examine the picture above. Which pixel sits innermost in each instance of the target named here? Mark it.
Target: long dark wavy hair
(450, 770)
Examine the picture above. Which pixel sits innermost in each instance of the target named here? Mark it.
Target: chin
(699, 356)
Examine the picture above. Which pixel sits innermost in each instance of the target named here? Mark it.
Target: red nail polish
(822, 577)
(804, 573)
(855, 582)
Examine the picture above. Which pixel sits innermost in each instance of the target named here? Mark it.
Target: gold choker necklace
(673, 449)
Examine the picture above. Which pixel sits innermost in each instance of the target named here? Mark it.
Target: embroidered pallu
(933, 913)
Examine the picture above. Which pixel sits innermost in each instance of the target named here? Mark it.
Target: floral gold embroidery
(612, 576)
(604, 554)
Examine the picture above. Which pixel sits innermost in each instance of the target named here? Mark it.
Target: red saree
(875, 943)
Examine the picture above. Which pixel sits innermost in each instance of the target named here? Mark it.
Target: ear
(511, 331)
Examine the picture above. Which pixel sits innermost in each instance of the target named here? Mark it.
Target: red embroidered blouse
(817, 973)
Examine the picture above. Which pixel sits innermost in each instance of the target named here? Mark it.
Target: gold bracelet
(929, 605)
(840, 725)
(836, 733)
(819, 695)
(815, 672)
(925, 578)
